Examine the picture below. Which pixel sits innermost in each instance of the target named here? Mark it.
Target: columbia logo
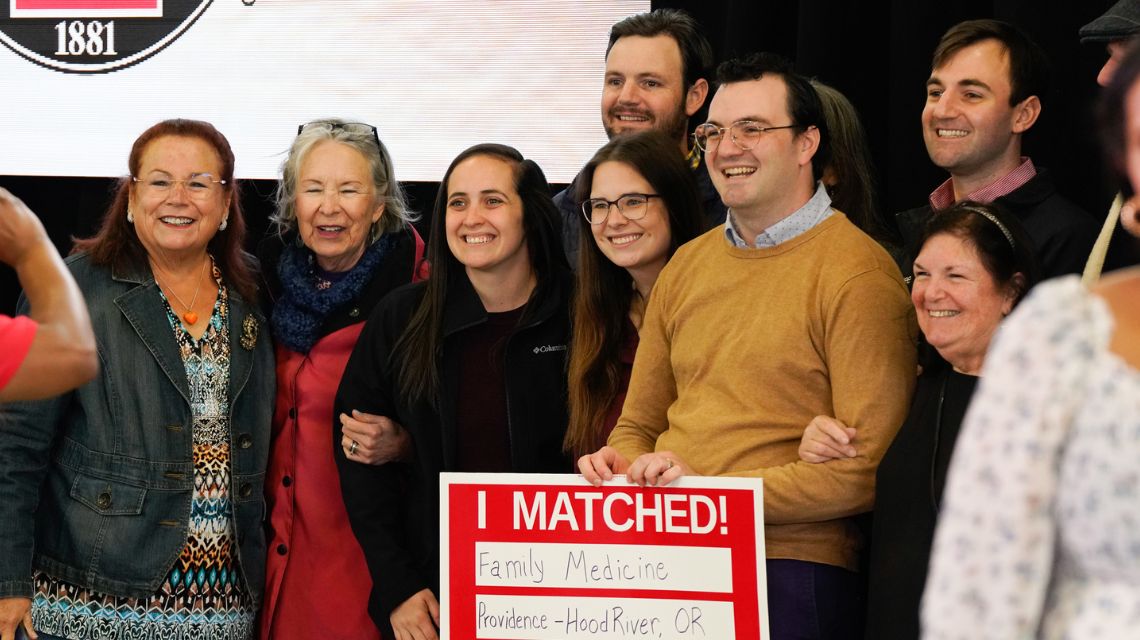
(548, 348)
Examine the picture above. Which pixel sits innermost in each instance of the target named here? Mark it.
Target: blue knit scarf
(303, 308)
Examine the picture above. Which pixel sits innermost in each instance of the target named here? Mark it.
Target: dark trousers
(812, 601)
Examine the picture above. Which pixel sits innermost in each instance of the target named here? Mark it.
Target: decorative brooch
(249, 333)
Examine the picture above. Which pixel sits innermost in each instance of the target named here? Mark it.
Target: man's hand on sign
(657, 469)
(601, 465)
(417, 618)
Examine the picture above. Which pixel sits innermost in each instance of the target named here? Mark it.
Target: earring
(130, 216)
(225, 223)
(1130, 216)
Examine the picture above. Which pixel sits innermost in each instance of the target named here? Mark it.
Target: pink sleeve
(16, 335)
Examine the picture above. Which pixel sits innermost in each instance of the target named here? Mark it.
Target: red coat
(317, 583)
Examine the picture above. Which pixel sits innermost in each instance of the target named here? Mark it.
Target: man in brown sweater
(786, 312)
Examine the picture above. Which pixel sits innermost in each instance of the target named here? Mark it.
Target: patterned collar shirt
(943, 196)
(815, 211)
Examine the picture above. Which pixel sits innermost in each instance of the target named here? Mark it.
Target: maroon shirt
(626, 353)
(483, 441)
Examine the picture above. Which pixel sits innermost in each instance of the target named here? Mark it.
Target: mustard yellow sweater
(741, 348)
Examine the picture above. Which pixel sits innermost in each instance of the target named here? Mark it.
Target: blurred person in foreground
(133, 506)
(1038, 537)
(52, 349)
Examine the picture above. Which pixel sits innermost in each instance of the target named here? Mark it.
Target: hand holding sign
(657, 469)
(601, 465)
(531, 556)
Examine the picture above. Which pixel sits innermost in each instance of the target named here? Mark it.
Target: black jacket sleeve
(374, 496)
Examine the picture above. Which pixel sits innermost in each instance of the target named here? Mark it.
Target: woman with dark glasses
(344, 240)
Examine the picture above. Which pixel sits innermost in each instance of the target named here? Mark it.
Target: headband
(992, 218)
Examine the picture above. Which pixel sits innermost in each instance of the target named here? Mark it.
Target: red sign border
(576, 482)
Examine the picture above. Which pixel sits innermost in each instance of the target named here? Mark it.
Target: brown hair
(849, 166)
(116, 243)
(1028, 65)
(1001, 242)
(696, 52)
(604, 294)
(417, 350)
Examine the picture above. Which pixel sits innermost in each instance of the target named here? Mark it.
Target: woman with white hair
(345, 240)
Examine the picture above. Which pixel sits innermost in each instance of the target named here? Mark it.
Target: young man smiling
(656, 68)
(984, 94)
(786, 312)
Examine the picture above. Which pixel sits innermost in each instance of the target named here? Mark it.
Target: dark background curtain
(876, 52)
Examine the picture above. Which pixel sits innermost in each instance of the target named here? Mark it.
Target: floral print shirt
(1040, 531)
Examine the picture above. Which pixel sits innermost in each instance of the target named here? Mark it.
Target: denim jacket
(96, 484)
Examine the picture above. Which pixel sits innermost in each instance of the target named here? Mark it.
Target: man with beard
(656, 68)
(786, 312)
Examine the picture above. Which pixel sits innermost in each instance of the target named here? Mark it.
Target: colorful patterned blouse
(203, 596)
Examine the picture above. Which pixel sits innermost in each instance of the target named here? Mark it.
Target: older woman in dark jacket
(974, 264)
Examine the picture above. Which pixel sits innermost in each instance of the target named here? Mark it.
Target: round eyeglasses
(745, 134)
(631, 205)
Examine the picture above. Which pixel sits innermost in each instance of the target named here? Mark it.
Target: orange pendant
(190, 317)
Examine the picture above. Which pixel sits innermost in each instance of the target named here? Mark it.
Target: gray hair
(396, 216)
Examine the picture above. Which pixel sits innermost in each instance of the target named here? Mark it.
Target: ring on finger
(352, 449)
(670, 461)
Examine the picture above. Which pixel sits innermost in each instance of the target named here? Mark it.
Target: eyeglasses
(631, 205)
(745, 134)
(358, 128)
(199, 186)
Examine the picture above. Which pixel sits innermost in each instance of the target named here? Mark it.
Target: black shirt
(909, 484)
